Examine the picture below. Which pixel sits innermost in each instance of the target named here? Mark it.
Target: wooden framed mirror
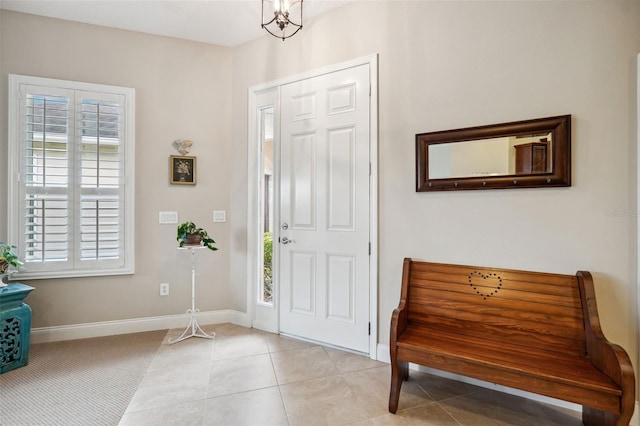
(522, 154)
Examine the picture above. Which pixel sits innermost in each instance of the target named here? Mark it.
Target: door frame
(637, 343)
(267, 317)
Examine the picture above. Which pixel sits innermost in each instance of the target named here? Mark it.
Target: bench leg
(399, 373)
(594, 417)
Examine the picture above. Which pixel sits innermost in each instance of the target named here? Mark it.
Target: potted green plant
(8, 257)
(189, 234)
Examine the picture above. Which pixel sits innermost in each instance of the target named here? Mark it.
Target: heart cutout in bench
(488, 280)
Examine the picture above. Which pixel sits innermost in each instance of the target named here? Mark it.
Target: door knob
(285, 240)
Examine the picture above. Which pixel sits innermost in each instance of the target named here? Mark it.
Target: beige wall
(447, 65)
(443, 65)
(182, 91)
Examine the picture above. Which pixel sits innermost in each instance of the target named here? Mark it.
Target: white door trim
(253, 235)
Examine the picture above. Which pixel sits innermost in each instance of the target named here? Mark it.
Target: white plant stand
(193, 329)
(5, 276)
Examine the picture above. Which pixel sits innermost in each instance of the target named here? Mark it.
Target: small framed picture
(182, 170)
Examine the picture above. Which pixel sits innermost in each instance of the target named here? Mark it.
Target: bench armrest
(400, 314)
(608, 357)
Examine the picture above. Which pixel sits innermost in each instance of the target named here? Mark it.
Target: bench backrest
(531, 309)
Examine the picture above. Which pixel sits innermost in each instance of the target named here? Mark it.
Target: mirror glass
(522, 154)
(509, 155)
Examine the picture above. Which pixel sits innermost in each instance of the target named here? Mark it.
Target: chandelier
(279, 20)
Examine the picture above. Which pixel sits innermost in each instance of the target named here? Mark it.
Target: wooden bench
(533, 331)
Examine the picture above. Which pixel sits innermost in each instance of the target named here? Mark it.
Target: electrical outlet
(164, 289)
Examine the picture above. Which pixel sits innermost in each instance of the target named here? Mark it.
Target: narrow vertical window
(267, 203)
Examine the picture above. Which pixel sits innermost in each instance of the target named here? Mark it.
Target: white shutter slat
(46, 154)
(101, 176)
(46, 228)
(100, 227)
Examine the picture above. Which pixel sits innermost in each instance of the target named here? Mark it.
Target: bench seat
(537, 371)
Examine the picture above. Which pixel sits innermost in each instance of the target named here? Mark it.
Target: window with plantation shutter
(71, 154)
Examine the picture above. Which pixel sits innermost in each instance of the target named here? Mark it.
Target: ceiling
(221, 22)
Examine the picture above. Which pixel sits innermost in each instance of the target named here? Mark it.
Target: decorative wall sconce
(182, 146)
(283, 19)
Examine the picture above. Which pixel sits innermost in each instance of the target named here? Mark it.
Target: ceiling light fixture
(281, 25)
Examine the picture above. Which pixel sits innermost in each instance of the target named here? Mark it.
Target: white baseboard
(265, 326)
(384, 356)
(135, 325)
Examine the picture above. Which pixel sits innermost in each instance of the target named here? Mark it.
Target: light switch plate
(219, 215)
(167, 217)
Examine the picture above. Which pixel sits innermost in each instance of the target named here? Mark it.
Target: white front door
(324, 211)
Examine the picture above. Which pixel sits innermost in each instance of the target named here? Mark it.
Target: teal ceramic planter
(15, 326)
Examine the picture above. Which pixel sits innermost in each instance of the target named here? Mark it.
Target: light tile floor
(249, 377)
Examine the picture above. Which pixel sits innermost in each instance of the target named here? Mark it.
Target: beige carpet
(77, 382)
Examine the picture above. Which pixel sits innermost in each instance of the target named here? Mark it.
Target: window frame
(16, 182)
